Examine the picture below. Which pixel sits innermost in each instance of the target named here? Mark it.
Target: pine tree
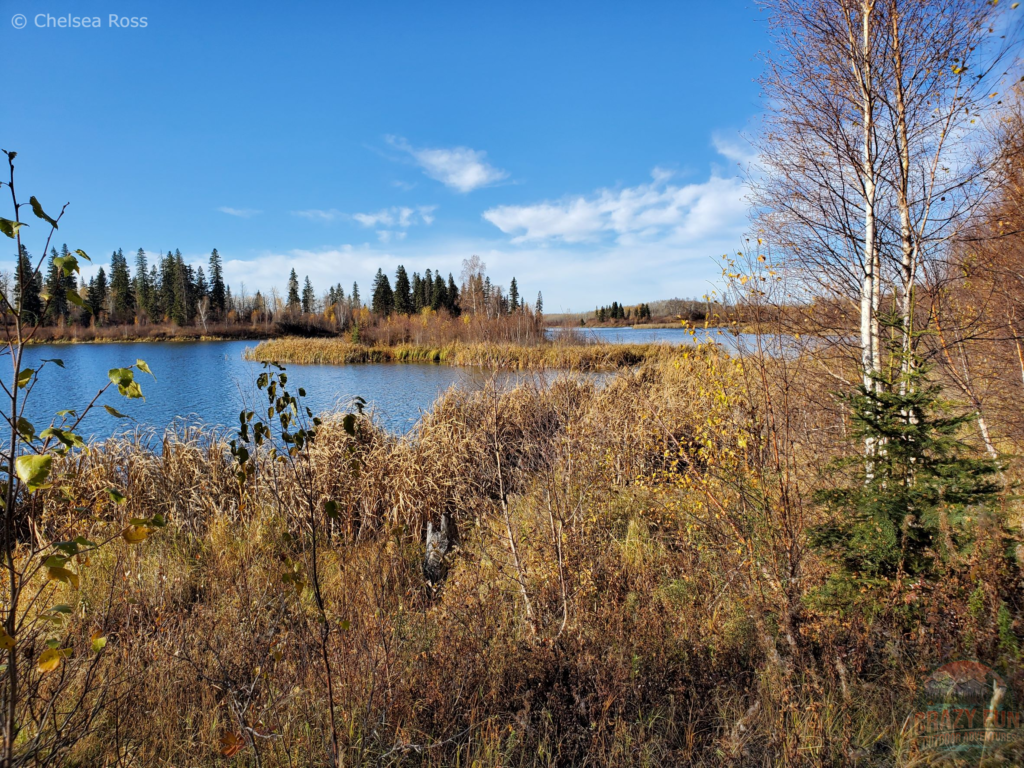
(218, 297)
(383, 296)
(294, 302)
(28, 286)
(452, 297)
(123, 297)
(308, 297)
(403, 292)
(513, 295)
(540, 303)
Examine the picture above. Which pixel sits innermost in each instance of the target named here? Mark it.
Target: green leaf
(77, 300)
(67, 264)
(141, 365)
(349, 423)
(26, 430)
(33, 470)
(24, 377)
(37, 209)
(116, 496)
(124, 378)
(114, 412)
(331, 508)
(10, 228)
(83, 254)
(54, 360)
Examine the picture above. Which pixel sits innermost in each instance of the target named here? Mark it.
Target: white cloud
(317, 214)
(654, 212)
(398, 216)
(733, 147)
(460, 168)
(242, 213)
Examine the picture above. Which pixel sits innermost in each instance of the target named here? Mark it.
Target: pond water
(629, 335)
(208, 382)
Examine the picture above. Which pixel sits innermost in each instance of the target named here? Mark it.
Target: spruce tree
(294, 302)
(417, 292)
(156, 303)
(383, 296)
(308, 297)
(142, 285)
(181, 305)
(202, 286)
(540, 303)
(355, 296)
(98, 292)
(403, 292)
(916, 501)
(168, 285)
(439, 296)
(28, 286)
(513, 295)
(218, 297)
(123, 297)
(452, 297)
(428, 289)
(55, 287)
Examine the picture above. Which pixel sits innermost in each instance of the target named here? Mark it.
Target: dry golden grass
(541, 356)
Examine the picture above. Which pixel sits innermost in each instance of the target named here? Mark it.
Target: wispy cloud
(398, 216)
(658, 211)
(460, 168)
(316, 214)
(734, 147)
(242, 213)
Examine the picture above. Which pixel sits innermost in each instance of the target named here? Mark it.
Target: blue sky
(593, 150)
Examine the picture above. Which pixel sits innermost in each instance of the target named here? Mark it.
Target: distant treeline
(169, 292)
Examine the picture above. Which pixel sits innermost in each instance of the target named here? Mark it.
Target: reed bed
(541, 356)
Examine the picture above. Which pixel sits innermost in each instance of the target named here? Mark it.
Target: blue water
(730, 341)
(209, 382)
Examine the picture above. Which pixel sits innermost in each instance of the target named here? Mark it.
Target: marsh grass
(540, 356)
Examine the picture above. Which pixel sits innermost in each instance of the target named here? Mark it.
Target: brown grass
(549, 355)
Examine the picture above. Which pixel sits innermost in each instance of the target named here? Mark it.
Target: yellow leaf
(49, 659)
(56, 573)
(6, 641)
(133, 534)
(99, 642)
